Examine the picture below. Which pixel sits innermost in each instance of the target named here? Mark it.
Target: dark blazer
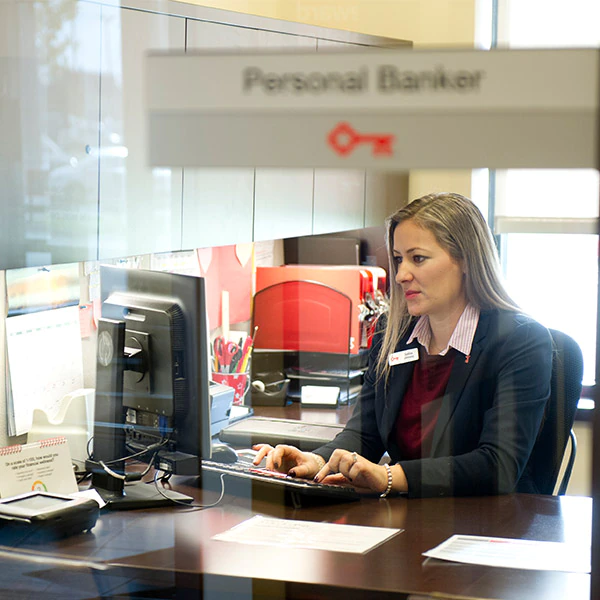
(489, 418)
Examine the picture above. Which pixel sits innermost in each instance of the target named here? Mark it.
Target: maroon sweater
(421, 404)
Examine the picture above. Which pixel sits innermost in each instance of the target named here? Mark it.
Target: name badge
(399, 358)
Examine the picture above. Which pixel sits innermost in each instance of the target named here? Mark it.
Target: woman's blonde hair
(460, 229)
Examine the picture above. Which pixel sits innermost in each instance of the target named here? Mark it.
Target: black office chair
(549, 450)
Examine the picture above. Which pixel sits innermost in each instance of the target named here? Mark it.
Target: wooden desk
(171, 549)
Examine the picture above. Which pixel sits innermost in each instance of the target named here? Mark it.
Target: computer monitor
(152, 382)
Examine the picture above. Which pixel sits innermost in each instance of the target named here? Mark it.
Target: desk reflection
(167, 551)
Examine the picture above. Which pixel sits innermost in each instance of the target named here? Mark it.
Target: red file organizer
(306, 316)
(317, 310)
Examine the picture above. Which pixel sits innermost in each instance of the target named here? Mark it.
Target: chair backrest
(547, 455)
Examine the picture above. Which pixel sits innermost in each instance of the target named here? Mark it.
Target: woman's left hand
(364, 475)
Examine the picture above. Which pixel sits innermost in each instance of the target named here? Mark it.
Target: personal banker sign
(387, 109)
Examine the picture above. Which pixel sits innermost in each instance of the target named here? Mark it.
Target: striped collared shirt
(461, 338)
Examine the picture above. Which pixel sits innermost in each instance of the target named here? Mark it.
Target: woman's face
(431, 280)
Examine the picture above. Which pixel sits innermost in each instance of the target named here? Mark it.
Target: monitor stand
(141, 495)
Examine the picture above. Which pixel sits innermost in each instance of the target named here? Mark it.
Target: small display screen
(37, 502)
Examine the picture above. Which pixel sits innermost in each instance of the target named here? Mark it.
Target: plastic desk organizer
(315, 308)
(304, 316)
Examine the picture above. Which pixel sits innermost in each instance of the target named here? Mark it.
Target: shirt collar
(461, 338)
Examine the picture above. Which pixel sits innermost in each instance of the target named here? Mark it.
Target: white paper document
(514, 553)
(334, 537)
(45, 361)
(319, 394)
(185, 262)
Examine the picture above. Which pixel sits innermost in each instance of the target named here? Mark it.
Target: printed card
(43, 466)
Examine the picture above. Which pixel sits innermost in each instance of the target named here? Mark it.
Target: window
(546, 220)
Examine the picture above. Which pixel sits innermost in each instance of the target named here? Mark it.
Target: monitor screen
(153, 377)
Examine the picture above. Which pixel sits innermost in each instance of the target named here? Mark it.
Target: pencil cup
(240, 382)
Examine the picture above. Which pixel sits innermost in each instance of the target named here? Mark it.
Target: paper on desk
(267, 531)
(514, 553)
(45, 361)
(319, 394)
(185, 262)
(91, 494)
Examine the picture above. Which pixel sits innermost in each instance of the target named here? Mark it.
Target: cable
(128, 477)
(112, 473)
(138, 476)
(192, 506)
(150, 463)
(166, 476)
(81, 477)
(87, 448)
(150, 448)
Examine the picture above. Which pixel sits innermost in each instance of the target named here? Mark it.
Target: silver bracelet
(388, 489)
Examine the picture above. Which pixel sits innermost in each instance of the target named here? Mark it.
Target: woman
(458, 378)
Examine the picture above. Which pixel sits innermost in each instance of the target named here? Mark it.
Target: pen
(248, 345)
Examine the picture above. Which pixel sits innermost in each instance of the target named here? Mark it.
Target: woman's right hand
(287, 459)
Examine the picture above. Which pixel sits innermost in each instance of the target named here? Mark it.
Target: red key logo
(343, 139)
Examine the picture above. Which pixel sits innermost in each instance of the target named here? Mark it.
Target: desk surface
(172, 549)
(169, 548)
(337, 416)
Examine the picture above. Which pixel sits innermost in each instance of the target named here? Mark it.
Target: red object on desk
(316, 311)
(240, 382)
(225, 353)
(303, 315)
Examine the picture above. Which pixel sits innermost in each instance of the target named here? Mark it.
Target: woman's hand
(287, 459)
(365, 476)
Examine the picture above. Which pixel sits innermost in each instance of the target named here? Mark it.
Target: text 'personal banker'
(388, 79)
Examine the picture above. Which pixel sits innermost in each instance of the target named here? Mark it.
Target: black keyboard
(244, 479)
